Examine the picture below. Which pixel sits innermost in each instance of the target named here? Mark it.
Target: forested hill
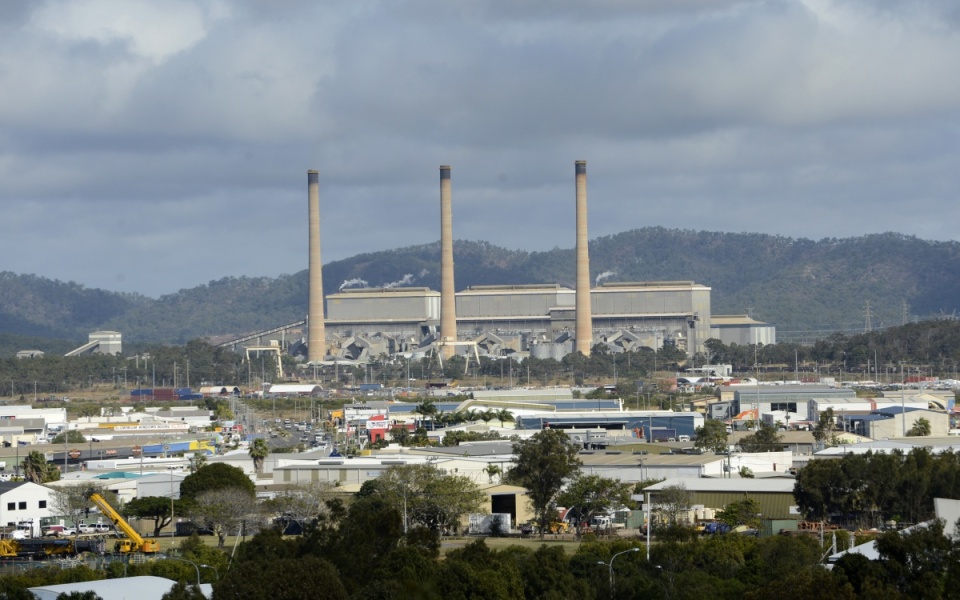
(798, 284)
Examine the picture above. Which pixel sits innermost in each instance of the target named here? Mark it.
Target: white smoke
(604, 275)
(423, 273)
(407, 280)
(355, 282)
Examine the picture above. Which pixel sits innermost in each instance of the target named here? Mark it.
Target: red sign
(74, 454)
(136, 450)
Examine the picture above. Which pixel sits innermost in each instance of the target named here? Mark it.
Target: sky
(152, 146)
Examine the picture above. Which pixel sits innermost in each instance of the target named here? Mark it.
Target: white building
(24, 502)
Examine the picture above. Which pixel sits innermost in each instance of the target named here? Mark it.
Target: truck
(133, 542)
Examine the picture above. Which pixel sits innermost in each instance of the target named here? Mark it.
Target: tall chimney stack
(448, 300)
(584, 325)
(316, 335)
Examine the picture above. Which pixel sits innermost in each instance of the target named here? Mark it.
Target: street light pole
(610, 565)
(194, 566)
(215, 571)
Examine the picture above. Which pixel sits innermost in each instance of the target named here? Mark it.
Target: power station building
(546, 321)
(655, 313)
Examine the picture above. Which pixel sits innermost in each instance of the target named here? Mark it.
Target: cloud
(141, 135)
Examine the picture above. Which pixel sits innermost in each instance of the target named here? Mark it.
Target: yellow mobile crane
(133, 543)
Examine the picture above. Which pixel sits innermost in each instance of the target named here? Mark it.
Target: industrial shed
(774, 495)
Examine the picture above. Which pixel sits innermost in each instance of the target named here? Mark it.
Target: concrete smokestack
(316, 335)
(448, 301)
(584, 326)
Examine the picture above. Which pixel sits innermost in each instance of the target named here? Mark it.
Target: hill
(801, 285)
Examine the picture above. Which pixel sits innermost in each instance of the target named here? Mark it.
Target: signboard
(136, 450)
(74, 454)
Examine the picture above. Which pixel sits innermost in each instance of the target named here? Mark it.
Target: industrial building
(742, 330)
(543, 321)
(530, 318)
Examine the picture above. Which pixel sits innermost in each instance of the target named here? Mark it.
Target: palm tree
(487, 415)
(504, 415)
(425, 409)
(258, 452)
(493, 470)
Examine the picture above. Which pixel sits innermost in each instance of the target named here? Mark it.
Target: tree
(259, 450)
(504, 416)
(302, 503)
(71, 501)
(69, 437)
(184, 591)
(492, 471)
(591, 495)
(151, 508)
(920, 429)
(222, 510)
(88, 595)
(426, 409)
(270, 578)
(674, 500)
(36, 469)
(543, 462)
(199, 460)
(765, 439)
(744, 512)
(424, 495)
(214, 477)
(712, 436)
(824, 428)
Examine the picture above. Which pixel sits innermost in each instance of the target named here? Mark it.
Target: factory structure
(537, 320)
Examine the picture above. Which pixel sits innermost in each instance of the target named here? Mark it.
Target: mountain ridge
(796, 283)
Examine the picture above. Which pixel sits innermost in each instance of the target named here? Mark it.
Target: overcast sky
(154, 146)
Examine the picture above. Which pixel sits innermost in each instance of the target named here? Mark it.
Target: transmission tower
(868, 325)
(904, 312)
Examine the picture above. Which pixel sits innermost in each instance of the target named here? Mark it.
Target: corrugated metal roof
(757, 486)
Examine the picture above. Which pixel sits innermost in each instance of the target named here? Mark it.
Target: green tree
(89, 595)
(743, 512)
(214, 477)
(591, 495)
(184, 591)
(271, 578)
(259, 450)
(69, 437)
(543, 462)
(920, 429)
(764, 439)
(37, 470)
(504, 416)
(151, 508)
(424, 495)
(712, 436)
